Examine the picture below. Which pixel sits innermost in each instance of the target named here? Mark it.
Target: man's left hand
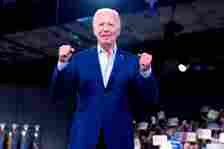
(145, 61)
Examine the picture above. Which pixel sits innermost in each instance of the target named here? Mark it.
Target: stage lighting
(182, 67)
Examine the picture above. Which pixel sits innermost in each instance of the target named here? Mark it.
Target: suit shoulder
(83, 53)
(130, 55)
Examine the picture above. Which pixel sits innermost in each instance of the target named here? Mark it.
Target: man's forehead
(106, 14)
(106, 17)
(107, 10)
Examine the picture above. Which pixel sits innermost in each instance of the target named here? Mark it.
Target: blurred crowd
(13, 136)
(206, 132)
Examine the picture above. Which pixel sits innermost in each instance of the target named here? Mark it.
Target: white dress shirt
(106, 63)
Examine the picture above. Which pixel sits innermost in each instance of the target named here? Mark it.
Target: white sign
(137, 143)
(159, 140)
(153, 120)
(191, 137)
(215, 146)
(143, 126)
(166, 146)
(205, 134)
(161, 115)
(221, 137)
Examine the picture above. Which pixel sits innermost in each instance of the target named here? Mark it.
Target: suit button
(107, 91)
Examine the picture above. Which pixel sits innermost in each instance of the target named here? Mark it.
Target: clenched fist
(65, 53)
(145, 61)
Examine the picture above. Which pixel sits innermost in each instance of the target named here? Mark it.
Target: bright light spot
(23, 133)
(10, 133)
(36, 135)
(182, 68)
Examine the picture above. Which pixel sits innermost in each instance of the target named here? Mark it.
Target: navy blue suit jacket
(99, 107)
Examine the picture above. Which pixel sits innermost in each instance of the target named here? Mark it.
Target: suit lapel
(98, 71)
(118, 61)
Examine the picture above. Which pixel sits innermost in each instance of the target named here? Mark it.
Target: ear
(94, 30)
(95, 33)
(118, 32)
(119, 29)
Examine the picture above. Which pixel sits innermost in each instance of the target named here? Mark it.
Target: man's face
(106, 28)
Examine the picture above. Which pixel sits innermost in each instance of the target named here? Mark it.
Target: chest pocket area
(89, 81)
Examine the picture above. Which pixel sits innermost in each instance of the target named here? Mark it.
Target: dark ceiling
(33, 30)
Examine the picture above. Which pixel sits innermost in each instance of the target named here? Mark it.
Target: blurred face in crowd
(221, 120)
(171, 131)
(191, 146)
(106, 27)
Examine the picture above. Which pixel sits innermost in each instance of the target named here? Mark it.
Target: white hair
(113, 11)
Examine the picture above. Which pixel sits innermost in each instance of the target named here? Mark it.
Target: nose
(105, 28)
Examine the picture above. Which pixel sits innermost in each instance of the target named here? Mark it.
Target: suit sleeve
(63, 83)
(146, 89)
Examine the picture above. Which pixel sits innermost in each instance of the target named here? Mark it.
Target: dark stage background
(24, 88)
(26, 63)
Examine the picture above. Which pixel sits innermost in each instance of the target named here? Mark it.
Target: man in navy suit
(102, 79)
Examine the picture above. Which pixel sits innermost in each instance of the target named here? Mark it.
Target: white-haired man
(102, 79)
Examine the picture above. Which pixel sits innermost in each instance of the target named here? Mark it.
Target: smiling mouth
(105, 37)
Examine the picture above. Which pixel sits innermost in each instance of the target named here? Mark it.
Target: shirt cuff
(61, 65)
(146, 73)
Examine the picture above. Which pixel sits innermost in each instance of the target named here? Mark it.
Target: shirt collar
(101, 50)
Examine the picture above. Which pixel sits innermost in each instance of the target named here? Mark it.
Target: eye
(101, 24)
(111, 24)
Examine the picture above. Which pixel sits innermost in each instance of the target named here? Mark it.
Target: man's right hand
(65, 53)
